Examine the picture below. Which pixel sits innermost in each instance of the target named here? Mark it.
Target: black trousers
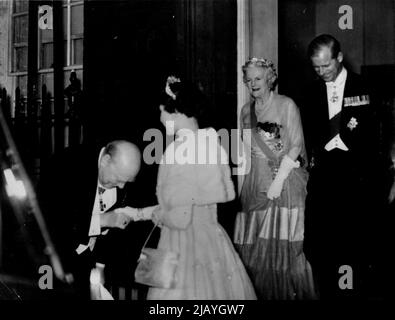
(342, 231)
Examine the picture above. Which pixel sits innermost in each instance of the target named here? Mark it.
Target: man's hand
(137, 214)
(113, 219)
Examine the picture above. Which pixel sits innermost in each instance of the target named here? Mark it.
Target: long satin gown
(269, 233)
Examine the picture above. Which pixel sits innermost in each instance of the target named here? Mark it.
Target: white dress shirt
(108, 199)
(335, 93)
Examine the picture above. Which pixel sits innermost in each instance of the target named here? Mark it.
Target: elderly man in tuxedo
(78, 195)
(343, 191)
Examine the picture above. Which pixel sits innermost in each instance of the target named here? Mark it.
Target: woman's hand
(132, 213)
(287, 164)
(137, 214)
(275, 189)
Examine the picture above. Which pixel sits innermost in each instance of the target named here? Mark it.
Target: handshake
(121, 217)
(134, 214)
(137, 214)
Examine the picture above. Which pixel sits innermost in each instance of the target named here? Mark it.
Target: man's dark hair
(324, 40)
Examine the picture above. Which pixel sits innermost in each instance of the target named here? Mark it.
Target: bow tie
(101, 190)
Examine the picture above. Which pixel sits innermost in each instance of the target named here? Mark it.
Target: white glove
(137, 214)
(132, 213)
(287, 164)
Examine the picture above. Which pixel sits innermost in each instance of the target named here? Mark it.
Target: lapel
(347, 93)
(322, 114)
(87, 185)
(324, 101)
(353, 88)
(92, 188)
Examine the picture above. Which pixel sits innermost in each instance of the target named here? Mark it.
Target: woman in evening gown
(189, 186)
(269, 229)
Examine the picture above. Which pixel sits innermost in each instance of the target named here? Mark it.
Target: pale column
(264, 29)
(243, 45)
(257, 35)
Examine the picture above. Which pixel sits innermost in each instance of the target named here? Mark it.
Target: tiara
(263, 62)
(171, 80)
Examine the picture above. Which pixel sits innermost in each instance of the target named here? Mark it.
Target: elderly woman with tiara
(269, 229)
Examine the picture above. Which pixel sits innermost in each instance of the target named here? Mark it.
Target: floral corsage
(271, 133)
(352, 124)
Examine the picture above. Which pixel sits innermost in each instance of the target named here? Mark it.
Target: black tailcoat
(343, 186)
(67, 196)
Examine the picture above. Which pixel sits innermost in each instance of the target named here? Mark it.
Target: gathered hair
(185, 98)
(271, 73)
